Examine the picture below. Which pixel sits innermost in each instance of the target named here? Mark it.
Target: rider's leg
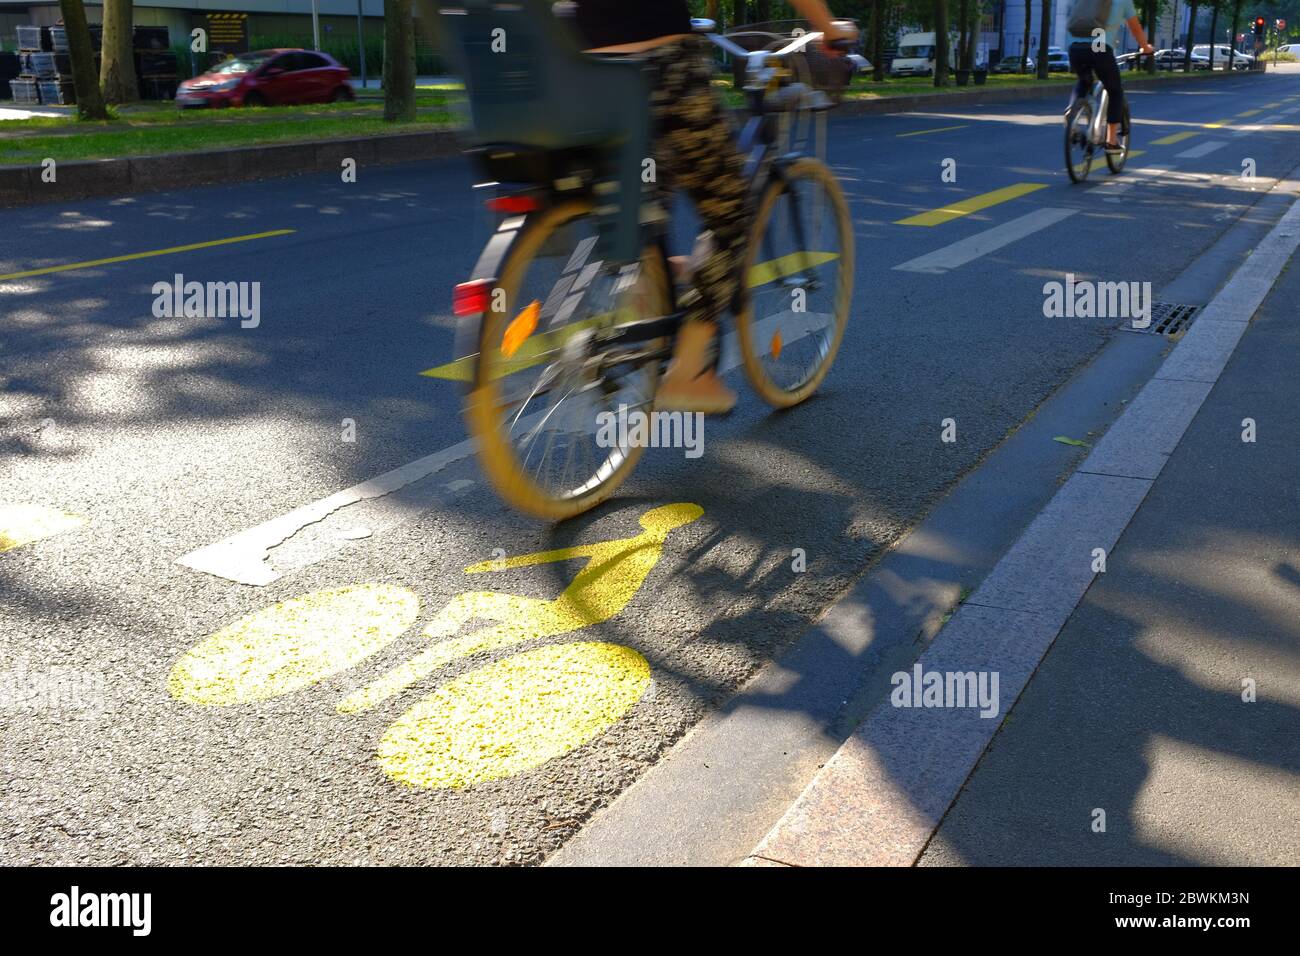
(1081, 63)
(694, 152)
(1108, 72)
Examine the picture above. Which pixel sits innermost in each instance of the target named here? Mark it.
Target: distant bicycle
(1085, 134)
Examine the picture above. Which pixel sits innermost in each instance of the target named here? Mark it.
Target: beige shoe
(690, 384)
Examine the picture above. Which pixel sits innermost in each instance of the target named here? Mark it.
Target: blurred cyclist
(694, 152)
(1094, 30)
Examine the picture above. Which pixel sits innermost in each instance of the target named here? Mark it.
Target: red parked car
(269, 78)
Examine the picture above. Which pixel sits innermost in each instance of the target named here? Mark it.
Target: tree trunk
(90, 102)
(972, 31)
(1151, 22)
(1044, 39)
(1232, 43)
(1191, 37)
(878, 41)
(1024, 42)
(963, 11)
(117, 68)
(1214, 32)
(399, 61)
(940, 42)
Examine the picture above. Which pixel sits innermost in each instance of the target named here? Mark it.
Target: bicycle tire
(752, 350)
(485, 403)
(1116, 163)
(1078, 171)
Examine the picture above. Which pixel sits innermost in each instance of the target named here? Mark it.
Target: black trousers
(1085, 62)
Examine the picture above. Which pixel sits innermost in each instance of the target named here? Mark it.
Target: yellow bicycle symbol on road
(492, 722)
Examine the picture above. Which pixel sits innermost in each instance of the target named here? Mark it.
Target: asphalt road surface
(275, 705)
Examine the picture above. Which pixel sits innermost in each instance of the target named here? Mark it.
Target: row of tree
(880, 21)
(116, 82)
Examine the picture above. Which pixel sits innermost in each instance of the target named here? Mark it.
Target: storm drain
(1167, 318)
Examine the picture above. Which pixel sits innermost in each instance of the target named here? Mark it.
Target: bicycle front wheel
(798, 273)
(1078, 142)
(547, 396)
(1116, 161)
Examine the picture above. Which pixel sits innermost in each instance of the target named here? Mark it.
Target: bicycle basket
(530, 86)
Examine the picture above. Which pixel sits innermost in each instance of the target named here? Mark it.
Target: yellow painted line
(941, 129)
(1173, 138)
(972, 204)
(1221, 124)
(72, 266)
(764, 272)
(1271, 106)
(532, 352)
(23, 524)
(1250, 112)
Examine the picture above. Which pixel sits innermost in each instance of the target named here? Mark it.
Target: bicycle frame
(1100, 102)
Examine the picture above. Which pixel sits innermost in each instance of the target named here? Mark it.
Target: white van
(916, 55)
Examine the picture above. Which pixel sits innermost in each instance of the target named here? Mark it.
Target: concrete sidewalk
(1143, 633)
(1138, 708)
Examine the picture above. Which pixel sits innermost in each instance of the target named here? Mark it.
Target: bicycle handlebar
(756, 58)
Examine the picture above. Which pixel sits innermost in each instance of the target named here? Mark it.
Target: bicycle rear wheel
(798, 272)
(546, 393)
(1116, 162)
(1078, 145)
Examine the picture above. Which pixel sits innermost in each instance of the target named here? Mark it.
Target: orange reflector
(776, 345)
(520, 327)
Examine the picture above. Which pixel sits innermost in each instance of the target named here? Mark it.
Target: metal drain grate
(1167, 318)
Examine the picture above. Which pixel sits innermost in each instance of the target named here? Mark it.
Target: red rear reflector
(513, 204)
(471, 298)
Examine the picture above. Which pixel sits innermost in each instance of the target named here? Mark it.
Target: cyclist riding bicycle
(693, 152)
(1090, 22)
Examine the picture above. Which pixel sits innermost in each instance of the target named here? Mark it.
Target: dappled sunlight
(1209, 786)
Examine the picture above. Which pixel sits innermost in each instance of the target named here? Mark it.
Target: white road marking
(982, 243)
(1115, 186)
(1258, 126)
(245, 557)
(1202, 149)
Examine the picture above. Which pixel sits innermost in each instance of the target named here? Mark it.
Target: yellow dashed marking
(23, 524)
(293, 644)
(614, 572)
(764, 272)
(1173, 138)
(940, 129)
(71, 266)
(969, 205)
(513, 715)
(1249, 112)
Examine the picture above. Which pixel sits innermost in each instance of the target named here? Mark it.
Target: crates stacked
(35, 39)
(60, 91)
(155, 63)
(36, 64)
